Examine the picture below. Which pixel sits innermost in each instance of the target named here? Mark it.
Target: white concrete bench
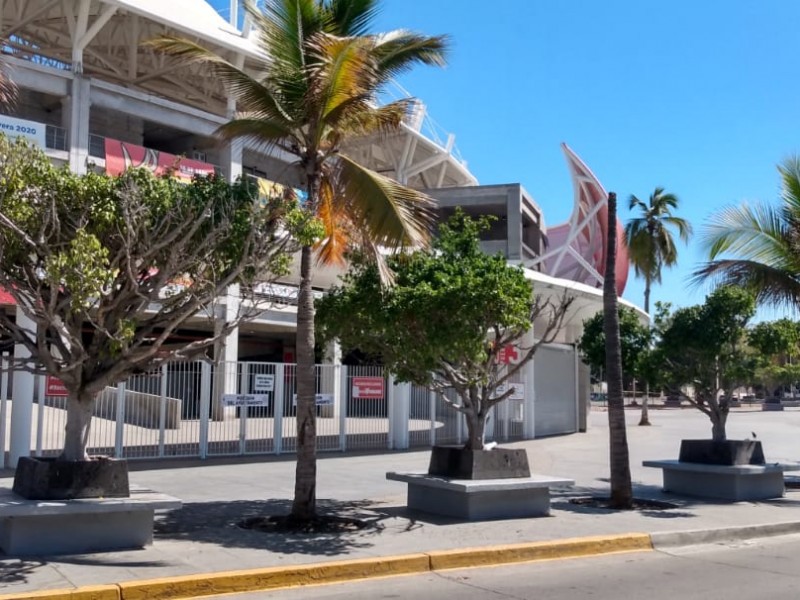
(725, 482)
(43, 527)
(478, 499)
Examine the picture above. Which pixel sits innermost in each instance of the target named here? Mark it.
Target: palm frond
(262, 132)
(774, 286)
(332, 211)
(398, 51)
(790, 183)
(356, 120)
(754, 232)
(350, 18)
(392, 215)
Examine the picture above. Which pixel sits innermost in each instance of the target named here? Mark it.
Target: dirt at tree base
(317, 524)
(604, 502)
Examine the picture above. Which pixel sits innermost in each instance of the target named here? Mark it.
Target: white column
(76, 120)
(529, 403)
(232, 160)
(333, 357)
(22, 400)
(399, 400)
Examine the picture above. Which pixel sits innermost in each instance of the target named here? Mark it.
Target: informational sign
(517, 394)
(263, 383)
(319, 399)
(245, 400)
(31, 130)
(508, 355)
(368, 387)
(55, 387)
(121, 156)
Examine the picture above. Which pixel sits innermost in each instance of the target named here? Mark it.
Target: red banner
(368, 387)
(55, 387)
(121, 156)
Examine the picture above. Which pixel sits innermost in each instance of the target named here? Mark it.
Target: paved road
(745, 571)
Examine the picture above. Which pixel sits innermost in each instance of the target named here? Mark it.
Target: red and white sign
(55, 387)
(121, 156)
(368, 387)
(509, 355)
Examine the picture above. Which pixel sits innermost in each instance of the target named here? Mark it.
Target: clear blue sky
(700, 97)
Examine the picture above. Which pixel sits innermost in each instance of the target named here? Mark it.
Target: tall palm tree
(619, 461)
(650, 243)
(316, 88)
(761, 245)
(8, 89)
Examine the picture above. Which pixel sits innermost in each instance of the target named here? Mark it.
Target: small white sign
(321, 399)
(31, 130)
(517, 394)
(245, 400)
(263, 383)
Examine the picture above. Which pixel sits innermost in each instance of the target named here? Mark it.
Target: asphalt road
(752, 570)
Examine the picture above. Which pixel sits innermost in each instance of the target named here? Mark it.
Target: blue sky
(701, 98)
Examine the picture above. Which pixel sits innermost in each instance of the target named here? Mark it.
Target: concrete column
(333, 379)
(22, 400)
(226, 356)
(231, 161)
(399, 400)
(529, 403)
(514, 223)
(76, 120)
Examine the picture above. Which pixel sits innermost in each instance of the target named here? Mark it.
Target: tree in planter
(777, 344)
(444, 321)
(317, 88)
(634, 342)
(704, 346)
(108, 268)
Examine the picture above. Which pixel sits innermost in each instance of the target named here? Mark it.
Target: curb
(691, 537)
(252, 580)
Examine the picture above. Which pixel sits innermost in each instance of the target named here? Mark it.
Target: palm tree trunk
(305, 485)
(621, 492)
(645, 418)
(647, 295)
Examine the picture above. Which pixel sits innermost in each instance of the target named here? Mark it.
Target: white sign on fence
(321, 399)
(245, 400)
(31, 130)
(517, 394)
(263, 383)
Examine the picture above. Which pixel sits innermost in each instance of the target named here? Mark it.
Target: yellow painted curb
(229, 582)
(569, 548)
(91, 592)
(173, 588)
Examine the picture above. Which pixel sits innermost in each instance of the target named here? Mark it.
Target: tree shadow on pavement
(654, 502)
(16, 570)
(218, 523)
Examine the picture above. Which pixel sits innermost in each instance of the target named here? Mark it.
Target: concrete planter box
(51, 479)
(456, 462)
(729, 452)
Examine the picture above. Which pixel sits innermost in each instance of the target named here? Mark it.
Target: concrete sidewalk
(203, 536)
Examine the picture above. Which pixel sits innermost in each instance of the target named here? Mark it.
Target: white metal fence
(178, 410)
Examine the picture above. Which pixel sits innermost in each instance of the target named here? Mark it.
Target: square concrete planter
(52, 479)
(729, 452)
(455, 462)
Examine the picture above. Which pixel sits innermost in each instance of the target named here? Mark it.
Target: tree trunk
(645, 418)
(621, 491)
(718, 421)
(305, 485)
(476, 431)
(647, 295)
(76, 432)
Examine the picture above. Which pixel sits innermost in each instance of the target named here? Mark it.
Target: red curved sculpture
(576, 250)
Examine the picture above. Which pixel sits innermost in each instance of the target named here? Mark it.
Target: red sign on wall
(55, 387)
(508, 355)
(368, 387)
(121, 156)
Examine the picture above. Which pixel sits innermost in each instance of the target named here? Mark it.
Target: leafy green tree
(443, 323)
(621, 488)
(756, 246)
(651, 245)
(317, 88)
(634, 341)
(108, 268)
(777, 344)
(704, 346)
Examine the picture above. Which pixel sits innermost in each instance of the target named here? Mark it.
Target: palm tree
(650, 242)
(761, 244)
(621, 492)
(317, 88)
(8, 89)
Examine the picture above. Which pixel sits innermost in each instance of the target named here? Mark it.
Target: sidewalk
(203, 537)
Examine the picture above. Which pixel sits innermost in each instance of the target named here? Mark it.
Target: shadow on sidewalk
(217, 523)
(16, 570)
(676, 507)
